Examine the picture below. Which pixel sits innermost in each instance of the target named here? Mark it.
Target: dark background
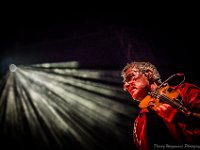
(167, 39)
(103, 40)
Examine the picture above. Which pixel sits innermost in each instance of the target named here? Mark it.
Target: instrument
(167, 94)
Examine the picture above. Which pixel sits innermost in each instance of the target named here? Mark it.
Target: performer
(169, 116)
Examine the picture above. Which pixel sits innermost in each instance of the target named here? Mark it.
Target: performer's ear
(149, 74)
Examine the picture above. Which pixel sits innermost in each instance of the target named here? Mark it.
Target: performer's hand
(166, 111)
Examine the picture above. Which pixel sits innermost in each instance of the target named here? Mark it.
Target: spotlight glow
(12, 67)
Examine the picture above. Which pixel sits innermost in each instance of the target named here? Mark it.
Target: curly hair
(143, 67)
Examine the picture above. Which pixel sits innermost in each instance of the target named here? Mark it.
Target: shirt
(152, 131)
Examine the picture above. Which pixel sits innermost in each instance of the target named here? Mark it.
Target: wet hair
(143, 67)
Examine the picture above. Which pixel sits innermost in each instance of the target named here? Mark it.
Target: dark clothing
(151, 131)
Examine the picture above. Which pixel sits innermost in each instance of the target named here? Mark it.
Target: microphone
(172, 76)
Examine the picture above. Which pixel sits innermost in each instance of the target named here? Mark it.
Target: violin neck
(174, 104)
(167, 100)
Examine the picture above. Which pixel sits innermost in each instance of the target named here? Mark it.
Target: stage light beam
(50, 105)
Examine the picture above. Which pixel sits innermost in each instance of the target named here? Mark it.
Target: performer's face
(136, 83)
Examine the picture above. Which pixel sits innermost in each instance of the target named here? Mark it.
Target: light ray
(57, 106)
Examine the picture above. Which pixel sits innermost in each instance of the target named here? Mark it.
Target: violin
(164, 94)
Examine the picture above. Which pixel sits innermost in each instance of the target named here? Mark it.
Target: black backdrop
(170, 41)
(105, 41)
